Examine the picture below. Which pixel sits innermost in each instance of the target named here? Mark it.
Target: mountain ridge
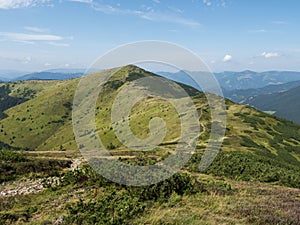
(241, 95)
(44, 123)
(285, 104)
(258, 163)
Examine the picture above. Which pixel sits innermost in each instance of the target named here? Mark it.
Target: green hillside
(258, 148)
(12, 94)
(44, 123)
(30, 124)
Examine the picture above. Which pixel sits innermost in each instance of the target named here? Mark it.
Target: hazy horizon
(226, 35)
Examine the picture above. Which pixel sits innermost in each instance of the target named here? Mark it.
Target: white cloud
(49, 39)
(176, 10)
(59, 44)
(270, 54)
(160, 17)
(108, 9)
(279, 22)
(257, 31)
(143, 14)
(227, 58)
(14, 4)
(29, 37)
(215, 3)
(83, 1)
(36, 29)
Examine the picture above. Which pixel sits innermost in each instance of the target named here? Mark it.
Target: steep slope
(30, 124)
(37, 123)
(181, 77)
(285, 104)
(256, 139)
(15, 93)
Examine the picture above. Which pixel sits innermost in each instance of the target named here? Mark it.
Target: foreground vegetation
(249, 167)
(36, 141)
(16, 165)
(83, 197)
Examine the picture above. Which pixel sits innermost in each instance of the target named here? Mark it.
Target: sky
(228, 35)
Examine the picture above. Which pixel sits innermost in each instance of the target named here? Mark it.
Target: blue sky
(227, 34)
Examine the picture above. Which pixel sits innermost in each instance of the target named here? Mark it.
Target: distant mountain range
(64, 70)
(280, 100)
(7, 75)
(49, 76)
(242, 95)
(230, 81)
(275, 91)
(250, 79)
(52, 74)
(283, 104)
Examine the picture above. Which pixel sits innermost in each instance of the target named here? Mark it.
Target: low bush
(250, 167)
(19, 166)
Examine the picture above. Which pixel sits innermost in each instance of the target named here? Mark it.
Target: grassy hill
(12, 94)
(44, 122)
(30, 124)
(257, 148)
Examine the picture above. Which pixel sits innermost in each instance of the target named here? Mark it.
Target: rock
(59, 221)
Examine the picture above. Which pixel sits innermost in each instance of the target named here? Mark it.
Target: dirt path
(21, 187)
(29, 186)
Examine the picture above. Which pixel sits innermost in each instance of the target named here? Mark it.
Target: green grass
(44, 122)
(257, 148)
(30, 124)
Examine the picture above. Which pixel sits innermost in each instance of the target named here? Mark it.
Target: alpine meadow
(150, 112)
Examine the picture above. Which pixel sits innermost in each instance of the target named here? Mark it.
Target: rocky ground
(30, 186)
